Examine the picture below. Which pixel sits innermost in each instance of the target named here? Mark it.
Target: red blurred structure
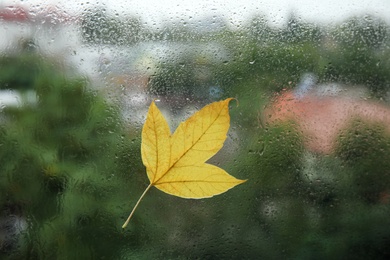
(50, 14)
(321, 118)
(13, 14)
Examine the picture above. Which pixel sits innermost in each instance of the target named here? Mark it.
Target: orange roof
(321, 118)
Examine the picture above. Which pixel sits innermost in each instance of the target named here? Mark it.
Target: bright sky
(232, 10)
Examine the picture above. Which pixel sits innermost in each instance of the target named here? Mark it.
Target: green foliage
(359, 66)
(65, 162)
(363, 32)
(174, 78)
(298, 31)
(365, 149)
(19, 73)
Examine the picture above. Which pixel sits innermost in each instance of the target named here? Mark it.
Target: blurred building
(321, 112)
(51, 29)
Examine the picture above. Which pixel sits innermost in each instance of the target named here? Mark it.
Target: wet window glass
(91, 93)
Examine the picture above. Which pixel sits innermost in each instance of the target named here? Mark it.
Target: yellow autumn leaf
(176, 164)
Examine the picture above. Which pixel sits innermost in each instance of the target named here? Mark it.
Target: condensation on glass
(310, 128)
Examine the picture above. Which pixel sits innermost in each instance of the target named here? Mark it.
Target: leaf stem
(136, 205)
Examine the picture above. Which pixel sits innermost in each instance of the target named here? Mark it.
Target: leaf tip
(242, 181)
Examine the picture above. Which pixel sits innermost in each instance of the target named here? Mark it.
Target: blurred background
(311, 131)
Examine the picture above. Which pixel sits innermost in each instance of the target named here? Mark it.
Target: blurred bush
(365, 148)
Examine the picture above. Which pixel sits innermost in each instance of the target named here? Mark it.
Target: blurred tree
(363, 31)
(188, 75)
(260, 31)
(63, 165)
(131, 29)
(19, 73)
(365, 148)
(99, 27)
(297, 31)
(360, 55)
(176, 77)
